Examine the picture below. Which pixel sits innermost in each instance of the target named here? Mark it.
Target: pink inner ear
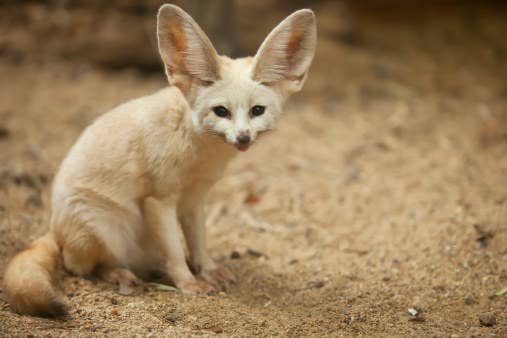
(179, 42)
(294, 48)
(294, 43)
(177, 37)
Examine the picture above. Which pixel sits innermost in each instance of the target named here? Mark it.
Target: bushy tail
(28, 280)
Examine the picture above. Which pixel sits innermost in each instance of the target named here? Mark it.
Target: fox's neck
(174, 146)
(204, 144)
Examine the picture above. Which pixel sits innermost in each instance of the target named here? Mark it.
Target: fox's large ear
(186, 51)
(286, 54)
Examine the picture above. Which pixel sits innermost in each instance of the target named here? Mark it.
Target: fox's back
(116, 153)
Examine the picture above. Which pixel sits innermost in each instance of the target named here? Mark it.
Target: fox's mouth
(242, 146)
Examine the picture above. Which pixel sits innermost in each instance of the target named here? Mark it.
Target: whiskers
(216, 135)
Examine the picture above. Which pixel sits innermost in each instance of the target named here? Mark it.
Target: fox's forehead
(235, 69)
(236, 88)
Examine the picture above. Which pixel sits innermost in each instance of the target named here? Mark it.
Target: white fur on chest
(202, 163)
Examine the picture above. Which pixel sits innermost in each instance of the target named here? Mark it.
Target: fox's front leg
(192, 218)
(161, 219)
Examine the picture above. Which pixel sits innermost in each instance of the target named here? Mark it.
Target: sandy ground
(384, 189)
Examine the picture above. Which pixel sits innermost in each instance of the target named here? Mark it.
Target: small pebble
(252, 198)
(484, 235)
(469, 300)
(254, 253)
(4, 132)
(413, 312)
(315, 284)
(170, 318)
(487, 319)
(235, 255)
(415, 315)
(215, 329)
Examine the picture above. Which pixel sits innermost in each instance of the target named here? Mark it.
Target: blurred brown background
(384, 188)
(402, 37)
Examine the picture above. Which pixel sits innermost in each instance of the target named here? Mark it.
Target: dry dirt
(384, 189)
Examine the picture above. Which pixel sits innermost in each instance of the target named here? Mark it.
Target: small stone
(413, 312)
(487, 319)
(252, 198)
(235, 255)
(114, 301)
(469, 300)
(170, 318)
(4, 132)
(319, 284)
(254, 253)
(315, 284)
(415, 315)
(386, 279)
(484, 235)
(215, 329)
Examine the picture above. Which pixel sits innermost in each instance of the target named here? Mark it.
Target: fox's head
(236, 99)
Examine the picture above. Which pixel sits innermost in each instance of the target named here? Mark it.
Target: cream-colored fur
(144, 169)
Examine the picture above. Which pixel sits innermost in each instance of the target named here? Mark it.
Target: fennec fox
(143, 169)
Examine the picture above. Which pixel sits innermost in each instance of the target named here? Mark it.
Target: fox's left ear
(286, 54)
(187, 53)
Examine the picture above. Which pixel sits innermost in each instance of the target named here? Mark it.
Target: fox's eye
(258, 110)
(221, 111)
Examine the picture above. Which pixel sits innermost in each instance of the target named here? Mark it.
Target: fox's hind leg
(92, 258)
(81, 258)
(98, 235)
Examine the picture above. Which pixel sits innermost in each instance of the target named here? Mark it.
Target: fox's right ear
(286, 54)
(186, 51)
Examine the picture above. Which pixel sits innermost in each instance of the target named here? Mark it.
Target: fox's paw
(196, 287)
(220, 277)
(119, 276)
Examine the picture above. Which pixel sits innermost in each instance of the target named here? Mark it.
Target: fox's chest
(183, 172)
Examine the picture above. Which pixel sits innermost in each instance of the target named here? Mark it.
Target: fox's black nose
(243, 138)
